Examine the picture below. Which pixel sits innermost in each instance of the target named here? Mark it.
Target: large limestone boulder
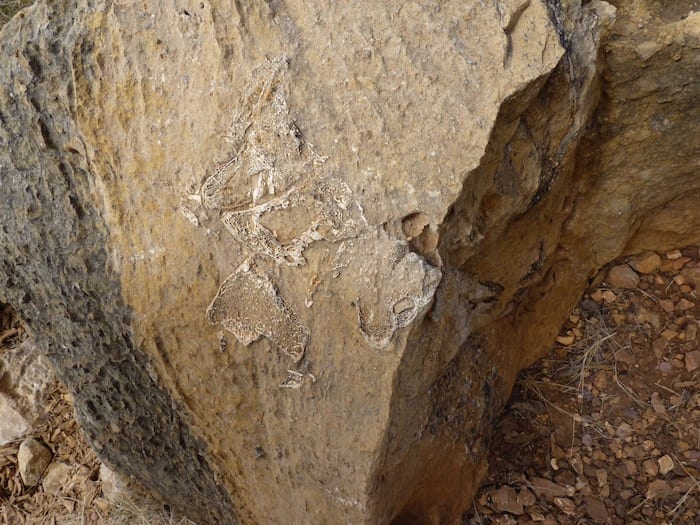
(289, 257)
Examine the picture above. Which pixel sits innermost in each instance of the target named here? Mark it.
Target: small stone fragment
(658, 404)
(526, 497)
(692, 275)
(669, 334)
(602, 477)
(650, 468)
(647, 262)
(624, 430)
(675, 254)
(57, 476)
(658, 488)
(659, 345)
(505, 499)
(679, 280)
(667, 305)
(684, 304)
(647, 316)
(14, 425)
(692, 360)
(693, 455)
(609, 296)
(586, 440)
(505, 519)
(622, 276)
(566, 340)
(596, 510)
(577, 464)
(548, 489)
(665, 464)
(678, 264)
(567, 506)
(33, 457)
(597, 296)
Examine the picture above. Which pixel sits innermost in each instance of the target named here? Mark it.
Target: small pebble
(665, 464)
(692, 360)
(622, 276)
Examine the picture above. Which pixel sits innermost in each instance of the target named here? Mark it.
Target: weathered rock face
(291, 258)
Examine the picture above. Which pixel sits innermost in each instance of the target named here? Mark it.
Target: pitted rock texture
(388, 207)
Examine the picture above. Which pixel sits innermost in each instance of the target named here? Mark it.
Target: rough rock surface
(25, 377)
(290, 259)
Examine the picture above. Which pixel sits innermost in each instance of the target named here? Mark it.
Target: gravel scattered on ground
(606, 429)
(50, 475)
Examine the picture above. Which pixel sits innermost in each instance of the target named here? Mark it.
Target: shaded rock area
(607, 427)
(289, 260)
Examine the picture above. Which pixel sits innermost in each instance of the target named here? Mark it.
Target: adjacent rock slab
(290, 258)
(25, 379)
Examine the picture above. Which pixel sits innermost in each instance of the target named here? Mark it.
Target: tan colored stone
(505, 499)
(669, 334)
(650, 467)
(667, 305)
(622, 276)
(678, 264)
(659, 346)
(658, 404)
(14, 424)
(566, 505)
(647, 262)
(596, 510)
(692, 360)
(56, 478)
(692, 275)
(526, 497)
(32, 459)
(566, 340)
(648, 316)
(684, 304)
(548, 489)
(658, 488)
(609, 296)
(665, 464)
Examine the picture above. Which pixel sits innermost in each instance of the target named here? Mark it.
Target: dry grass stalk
(8, 8)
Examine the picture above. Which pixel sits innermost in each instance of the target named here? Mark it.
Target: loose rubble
(606, 429)
(48, 472)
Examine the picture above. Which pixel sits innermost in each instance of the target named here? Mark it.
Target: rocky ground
(48, 473)
(606, 429)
